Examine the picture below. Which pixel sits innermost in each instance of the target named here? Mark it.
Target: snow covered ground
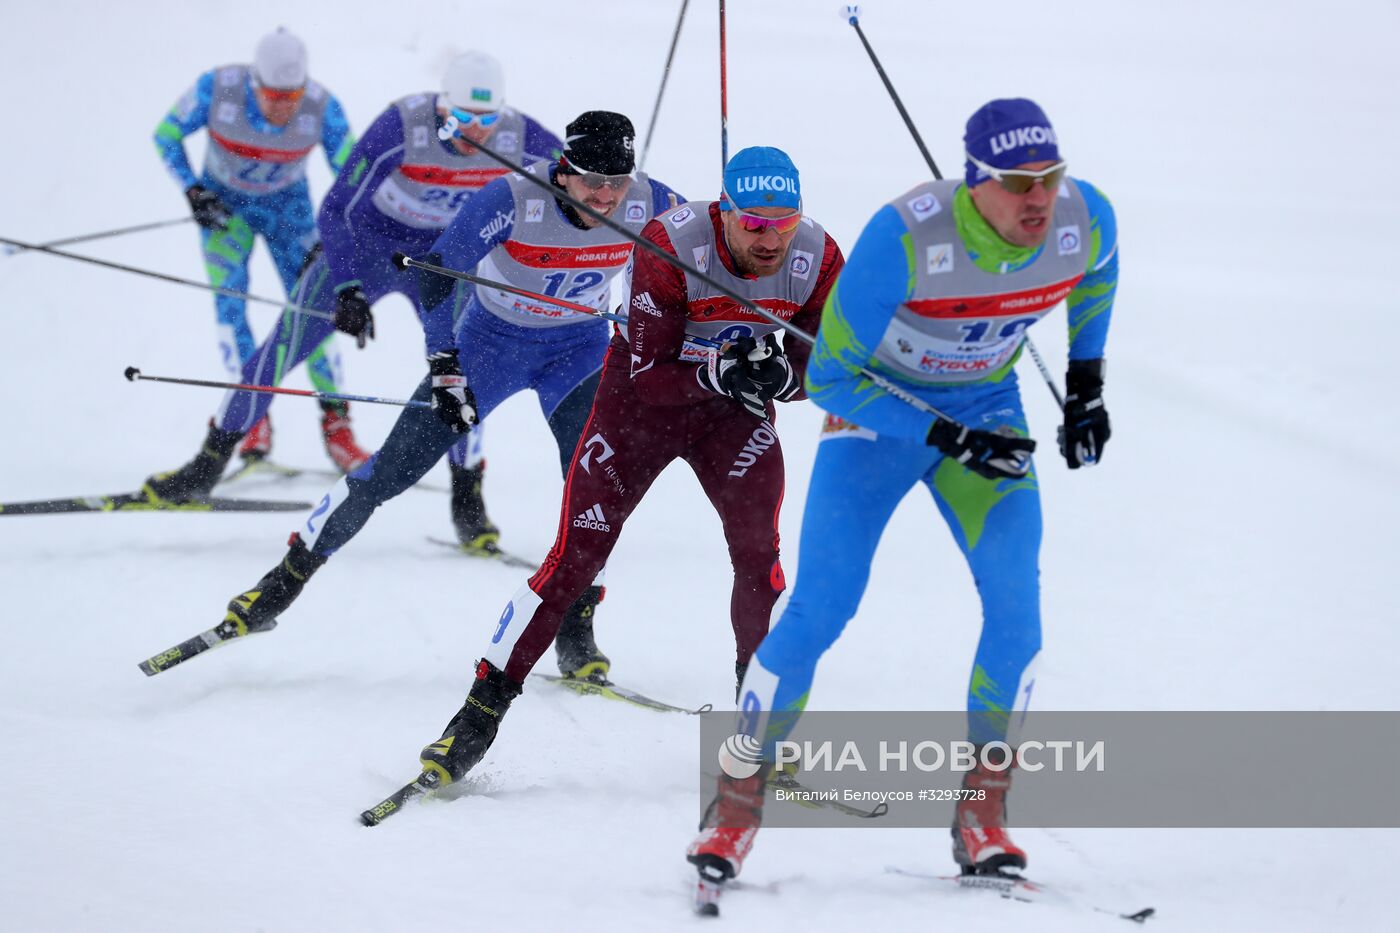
(1231, 552)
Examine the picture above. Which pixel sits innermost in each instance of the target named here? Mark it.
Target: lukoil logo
(757, 444)
(1022, 136)
(593, 520)
(748, 183)
(740, 756)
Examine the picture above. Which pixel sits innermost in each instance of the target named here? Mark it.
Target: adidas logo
(593, 519)
(643, 302)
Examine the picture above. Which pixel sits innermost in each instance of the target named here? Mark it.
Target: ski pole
(555, 191)
(851, 14)
(404, 261)
(121, 231)
(665, 74)
(133, 374)
(107, 264)
(723, 98)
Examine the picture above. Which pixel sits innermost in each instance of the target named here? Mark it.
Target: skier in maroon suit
(662, 397)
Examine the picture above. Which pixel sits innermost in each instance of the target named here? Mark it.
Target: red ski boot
(729, 827)
(347, 455)
(981, 844)
(258, 444)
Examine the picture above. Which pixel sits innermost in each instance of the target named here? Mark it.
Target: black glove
(729, 373)
(986, 453)
(1085, 430)
(453, 401)
(209, 211)
(773, 375)
(352, 315)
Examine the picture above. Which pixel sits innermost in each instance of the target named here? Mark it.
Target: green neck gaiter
(989, 251)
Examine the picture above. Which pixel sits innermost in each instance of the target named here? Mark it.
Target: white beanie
(474, 81)
(280, 60)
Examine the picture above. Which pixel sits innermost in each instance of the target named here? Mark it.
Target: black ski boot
(196, 479)
(578, 653)
(257, 609)
(473, 729)
(475, 530)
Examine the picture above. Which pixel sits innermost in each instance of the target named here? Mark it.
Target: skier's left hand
(1086, 428)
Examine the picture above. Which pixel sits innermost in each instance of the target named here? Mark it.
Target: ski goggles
(288, 95)
(466, 119)
(593, 180)
(757, 223)
(1019, 181)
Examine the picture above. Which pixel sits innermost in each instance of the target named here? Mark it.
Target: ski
(261, 467)
(140, 502)
(255, 467)
(223, 633)
(490, 552)
(606, 688)
(425, 783)
(786, 781)
(1018, 888)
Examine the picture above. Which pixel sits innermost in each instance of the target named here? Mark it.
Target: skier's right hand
(986, 453)
(453, 400)
(209, 212)
(352, 315)
(727, 373)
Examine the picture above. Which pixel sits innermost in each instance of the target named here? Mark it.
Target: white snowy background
(1230, 553)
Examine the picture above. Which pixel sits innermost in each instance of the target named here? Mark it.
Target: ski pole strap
(203, 286)
(133, 375)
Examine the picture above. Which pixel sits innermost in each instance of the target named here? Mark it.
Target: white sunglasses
(1019, 181)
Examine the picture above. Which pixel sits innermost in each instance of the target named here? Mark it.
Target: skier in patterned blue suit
(262, 121)
(484, 345)
(403, 183)
(937, 296)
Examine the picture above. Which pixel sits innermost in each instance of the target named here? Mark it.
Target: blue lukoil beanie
(761, 176)
(1006, 133)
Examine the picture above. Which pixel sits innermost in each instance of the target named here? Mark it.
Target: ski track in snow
(1230, 553)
